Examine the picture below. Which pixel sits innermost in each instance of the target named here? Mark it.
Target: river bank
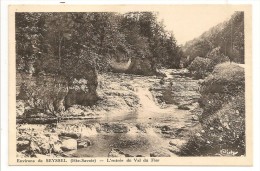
(136, 116)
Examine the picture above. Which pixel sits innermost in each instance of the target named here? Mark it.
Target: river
(146, 129)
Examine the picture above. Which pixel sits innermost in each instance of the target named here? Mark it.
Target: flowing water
(142, 130)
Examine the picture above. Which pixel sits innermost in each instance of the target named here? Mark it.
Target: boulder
(84, 144)
(116, 153)
(69, 144)
(141, 66)
(160, 153)
(70, 134)
(174, 149)
(45, 148)
(57, 147)
(184, 107)
(22, 145)
(139, 155)
(194, 118)
(34, 147)
(177, 142)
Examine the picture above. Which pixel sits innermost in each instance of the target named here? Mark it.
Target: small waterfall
(147, 101)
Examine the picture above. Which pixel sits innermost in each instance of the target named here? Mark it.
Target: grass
(223, 117)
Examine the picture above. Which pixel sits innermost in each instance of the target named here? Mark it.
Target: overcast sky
(188, 23)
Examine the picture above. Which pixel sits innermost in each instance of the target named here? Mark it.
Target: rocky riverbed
(135, 116)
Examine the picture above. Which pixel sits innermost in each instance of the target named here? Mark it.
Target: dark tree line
(61, 43)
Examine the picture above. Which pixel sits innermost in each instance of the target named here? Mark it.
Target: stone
(70, 134)
(116, 153)
(139, 155)
(174, 149)
(57, 147)
(84, 144)
(45, 148)
(177, 142)
(35, 147)
(160, 153)
(194, 118)
(183, 107)
(69, 144)
(22, 145)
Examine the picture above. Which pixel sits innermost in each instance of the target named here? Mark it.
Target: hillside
(228, 36)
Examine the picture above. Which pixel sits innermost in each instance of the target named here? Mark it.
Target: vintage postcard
(130, 85)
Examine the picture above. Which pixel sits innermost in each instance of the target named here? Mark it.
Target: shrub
(223, 130)
(217, 56)
(223, 117)
(44, 93)
(200, 67)
(226, 79)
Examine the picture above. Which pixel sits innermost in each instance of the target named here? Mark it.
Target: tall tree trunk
(60, 41)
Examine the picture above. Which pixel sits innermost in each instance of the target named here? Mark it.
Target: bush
(223, 117)
(223, 130)
(44, 93)
(217, 57)
(226, 81)
(200, 67)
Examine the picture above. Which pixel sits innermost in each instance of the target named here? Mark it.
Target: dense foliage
(228, 37)
(200, 67)
(55, 42)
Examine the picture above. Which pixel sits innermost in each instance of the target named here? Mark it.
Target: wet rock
(165, 128)
(170, 136)
(116, 153)
(177, 142)
(45, 148)
(128, 155)
(194, 118)
(139, 155)
(34, 147)
(70, 134)
(174, 149)
(57, 147)
(53, 138)
(69, 144)
(66, 155)
(184, 107)
(22, 145)
(160, 153)
(84, 144)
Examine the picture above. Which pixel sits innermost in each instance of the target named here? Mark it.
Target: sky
(189, 23)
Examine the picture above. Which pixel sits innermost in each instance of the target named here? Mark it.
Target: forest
(54, 42)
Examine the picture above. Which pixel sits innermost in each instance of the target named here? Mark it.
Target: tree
(30, 33)
(229, 36)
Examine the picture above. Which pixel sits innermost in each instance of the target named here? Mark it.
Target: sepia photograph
(130, 85)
